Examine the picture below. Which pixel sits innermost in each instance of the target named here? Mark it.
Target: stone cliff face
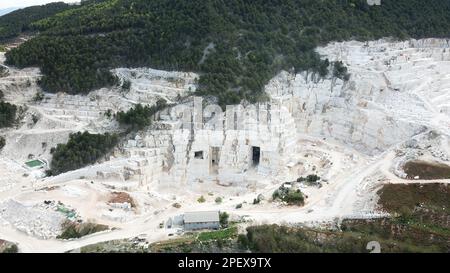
(397, 90)
(390, 97)
(259, 143)
(346, 112)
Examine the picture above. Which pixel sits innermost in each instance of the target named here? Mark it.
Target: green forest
(7, 114)
(17, 22)
(81, 150)
(237, 46)
(139, 116)
(7, 117)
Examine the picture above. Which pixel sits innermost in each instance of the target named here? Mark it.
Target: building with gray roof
(201, 220)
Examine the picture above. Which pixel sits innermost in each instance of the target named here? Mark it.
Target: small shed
(201, 220)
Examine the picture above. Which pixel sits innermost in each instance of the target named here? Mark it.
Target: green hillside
(14, 23)
(237, 46)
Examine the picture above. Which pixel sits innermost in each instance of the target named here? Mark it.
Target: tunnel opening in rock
(198, 155)
(215, 157)
(256, 155)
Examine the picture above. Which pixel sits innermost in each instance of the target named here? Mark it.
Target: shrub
(218, 200)
(69, 232)
(2, 142)
(7, 114)
(276, 194)
(126, 85)
(81, 150)
(139, 116)
(73, 230)
(39, 96)
(340, 71)
(108, 113)
(12, 249)
(242, 241)
(3, 72)
(223, 218)
(201, 199)
(292, 197)
(34, 119)
(312, 178)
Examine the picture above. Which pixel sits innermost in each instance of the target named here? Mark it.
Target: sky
(25, 3)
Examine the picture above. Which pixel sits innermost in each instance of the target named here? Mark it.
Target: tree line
(81, 150)
(253, 40)
(14, 23)
(7, 114)
(139, 116)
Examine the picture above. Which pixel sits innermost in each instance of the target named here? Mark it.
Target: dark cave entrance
(256, 155)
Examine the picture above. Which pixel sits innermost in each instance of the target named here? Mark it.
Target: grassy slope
(421, 224)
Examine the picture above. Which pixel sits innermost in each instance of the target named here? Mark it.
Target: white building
(201, 220)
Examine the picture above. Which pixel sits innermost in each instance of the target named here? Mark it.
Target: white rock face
(32, 219)
(148, 85)
(49, 122)
(220, 152)
(396, 91)
(355, 135)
